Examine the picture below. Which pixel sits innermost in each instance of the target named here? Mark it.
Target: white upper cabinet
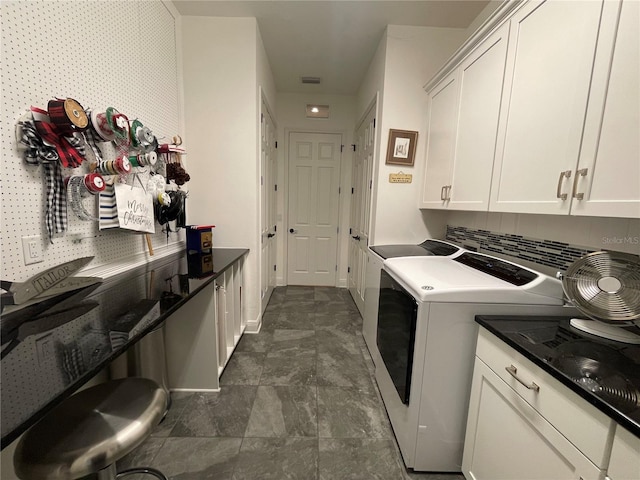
(608, 180)
(541, 115)
(549, 64)
(443, 101)
(463, 122)
(480, 79)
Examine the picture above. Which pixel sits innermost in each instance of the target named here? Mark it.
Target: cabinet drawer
(590, 430)
(508, 439)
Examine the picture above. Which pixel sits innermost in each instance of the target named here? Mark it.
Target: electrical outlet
(32, 249)
(44, 347)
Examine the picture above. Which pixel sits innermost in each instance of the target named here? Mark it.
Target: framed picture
(401, 149)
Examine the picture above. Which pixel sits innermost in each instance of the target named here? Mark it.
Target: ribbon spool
(94, 183)
(111, 125)
(120, 165)
(144, 159)
(119, 125)
(101, 126)
(77, 190)
(67, 115)
(141, 136)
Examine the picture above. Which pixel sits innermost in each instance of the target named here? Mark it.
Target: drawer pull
(513, 371)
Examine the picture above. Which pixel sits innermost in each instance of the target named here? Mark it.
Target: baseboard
(191, 390)
(253, 326)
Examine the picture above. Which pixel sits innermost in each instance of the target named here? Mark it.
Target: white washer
(378, 254)
(426, 337)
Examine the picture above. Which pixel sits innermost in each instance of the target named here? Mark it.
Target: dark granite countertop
(56, 356)
(567, 354)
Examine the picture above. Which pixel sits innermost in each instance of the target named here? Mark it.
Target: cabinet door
(610, 153)
(507, 438)
(371, 297)
(625, 456)
(481, 75)
(440, 142)
(549, 62)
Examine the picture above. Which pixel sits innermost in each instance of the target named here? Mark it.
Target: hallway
(297, 401)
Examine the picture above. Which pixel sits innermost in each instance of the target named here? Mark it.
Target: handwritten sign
(135, 208)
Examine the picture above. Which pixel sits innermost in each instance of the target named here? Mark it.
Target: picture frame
(401, 149)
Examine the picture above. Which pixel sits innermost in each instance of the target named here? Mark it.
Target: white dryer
(426, 337)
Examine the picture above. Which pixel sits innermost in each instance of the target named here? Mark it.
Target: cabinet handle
(579, 173)
(448, 192)
(442, 194)
(566, 173)
(513, 371)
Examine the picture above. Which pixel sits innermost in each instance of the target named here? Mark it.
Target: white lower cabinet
(371, 297)
(517, 432)
(201, 336)
(625, 456)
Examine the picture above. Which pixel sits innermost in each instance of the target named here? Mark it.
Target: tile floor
(297, 401)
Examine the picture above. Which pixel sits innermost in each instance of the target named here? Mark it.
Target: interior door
(314, 180)
(362, 181)
(268, 170)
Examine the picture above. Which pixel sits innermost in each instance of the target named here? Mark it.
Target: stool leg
(108, 473)
(149, 471)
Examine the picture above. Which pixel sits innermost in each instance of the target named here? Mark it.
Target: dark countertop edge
(608, 410)
(239, 253)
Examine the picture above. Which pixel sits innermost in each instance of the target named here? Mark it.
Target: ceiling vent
(311, 80)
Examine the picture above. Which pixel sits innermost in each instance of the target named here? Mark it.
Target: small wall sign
(400, 177)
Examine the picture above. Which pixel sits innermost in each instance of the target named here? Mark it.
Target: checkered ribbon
(37, 152)
(69, 155)
(92, 139)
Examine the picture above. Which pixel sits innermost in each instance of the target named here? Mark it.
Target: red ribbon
(69, 156)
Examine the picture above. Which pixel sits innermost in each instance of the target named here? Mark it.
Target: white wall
(412, 56)
(264, 74)
(220, 64)
(48, 61)
(291, 117)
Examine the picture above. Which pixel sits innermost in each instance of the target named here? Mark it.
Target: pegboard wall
(120, 54)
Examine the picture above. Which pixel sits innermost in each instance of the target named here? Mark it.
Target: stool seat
(91, 430)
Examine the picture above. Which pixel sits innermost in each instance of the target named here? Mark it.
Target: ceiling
(333, 40)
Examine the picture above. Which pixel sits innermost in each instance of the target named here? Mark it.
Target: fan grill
(583, 285)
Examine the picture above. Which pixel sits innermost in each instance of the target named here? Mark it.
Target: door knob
(269, 235)
(291, 230)
(356, 237)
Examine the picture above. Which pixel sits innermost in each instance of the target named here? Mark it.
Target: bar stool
(89, 431)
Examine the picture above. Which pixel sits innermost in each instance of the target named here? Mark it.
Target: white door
(550, 56)
(268, 163)
(314, 181)
(361, 181)
(610, 156)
